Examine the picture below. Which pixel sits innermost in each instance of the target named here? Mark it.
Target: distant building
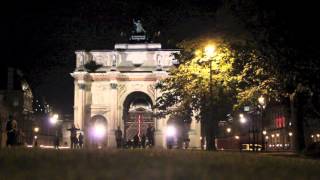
(16, 99)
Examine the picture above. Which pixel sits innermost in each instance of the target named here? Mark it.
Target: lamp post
(262, 105)
(209, 54)
(36, 130)
(243, 120)
(290, 136)
(54, 120)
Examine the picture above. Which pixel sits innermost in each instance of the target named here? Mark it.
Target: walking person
(118, 134)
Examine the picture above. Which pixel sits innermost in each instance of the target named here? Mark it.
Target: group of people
(14, 134)
(76, 142)
(143, 141)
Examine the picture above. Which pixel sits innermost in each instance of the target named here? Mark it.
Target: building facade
(120, 92)
(16, 99)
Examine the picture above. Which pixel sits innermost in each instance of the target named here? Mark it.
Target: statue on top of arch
(138, 27)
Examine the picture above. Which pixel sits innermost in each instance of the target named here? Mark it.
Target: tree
(186, 91)
(288, 61)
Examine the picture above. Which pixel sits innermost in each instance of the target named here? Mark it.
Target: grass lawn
(151, 164)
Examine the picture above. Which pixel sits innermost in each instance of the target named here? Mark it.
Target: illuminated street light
(228, 130)
(54, 119)
(261, 100)
(209, 50)
(242, 119)
(272, 135)
(312, 136)
(267, 137)
(35, 137)
(264, 132)
(237, 137)
(171, 131)
(36, 129)
(99, 131)
(277, 134)
(290, 134)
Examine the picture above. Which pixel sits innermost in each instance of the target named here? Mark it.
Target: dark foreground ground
(151, 164)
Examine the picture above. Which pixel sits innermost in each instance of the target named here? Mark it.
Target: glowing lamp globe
(99, 131)
(171, 131)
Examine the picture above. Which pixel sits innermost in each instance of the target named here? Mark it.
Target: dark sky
(40, 37)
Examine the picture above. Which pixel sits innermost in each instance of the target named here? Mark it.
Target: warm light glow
(312, 136)
(209, 50)
(52, 147)
(171, 131)
(99, 130)
(318, 135)
(261, 100)
(228, 130)
(236, 137)
(272, 135)
(264, 132)
(197, 52)
(54, 119)
(277, 134)
(35, 137)
(290, 133)
(36, 129)
(267, 137)
(242, 119)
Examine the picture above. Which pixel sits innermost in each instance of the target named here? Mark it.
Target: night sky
(40, 37)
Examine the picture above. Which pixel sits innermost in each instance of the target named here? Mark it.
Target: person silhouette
(80, 138)
(118, 134)
(73, 136)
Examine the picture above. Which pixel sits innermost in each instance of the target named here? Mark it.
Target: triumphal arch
(120, 92)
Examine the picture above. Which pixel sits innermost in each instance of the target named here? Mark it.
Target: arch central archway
(137, 114)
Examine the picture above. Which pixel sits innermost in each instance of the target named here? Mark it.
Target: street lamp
(262, 103)
(209, 52)
(99, 131)
(171, 133)
(36, 129)
(242, 119)
(54, 120)
(264, 132)
(228, 130)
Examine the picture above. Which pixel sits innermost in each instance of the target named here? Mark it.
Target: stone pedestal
(159, 137)
(112, 139)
